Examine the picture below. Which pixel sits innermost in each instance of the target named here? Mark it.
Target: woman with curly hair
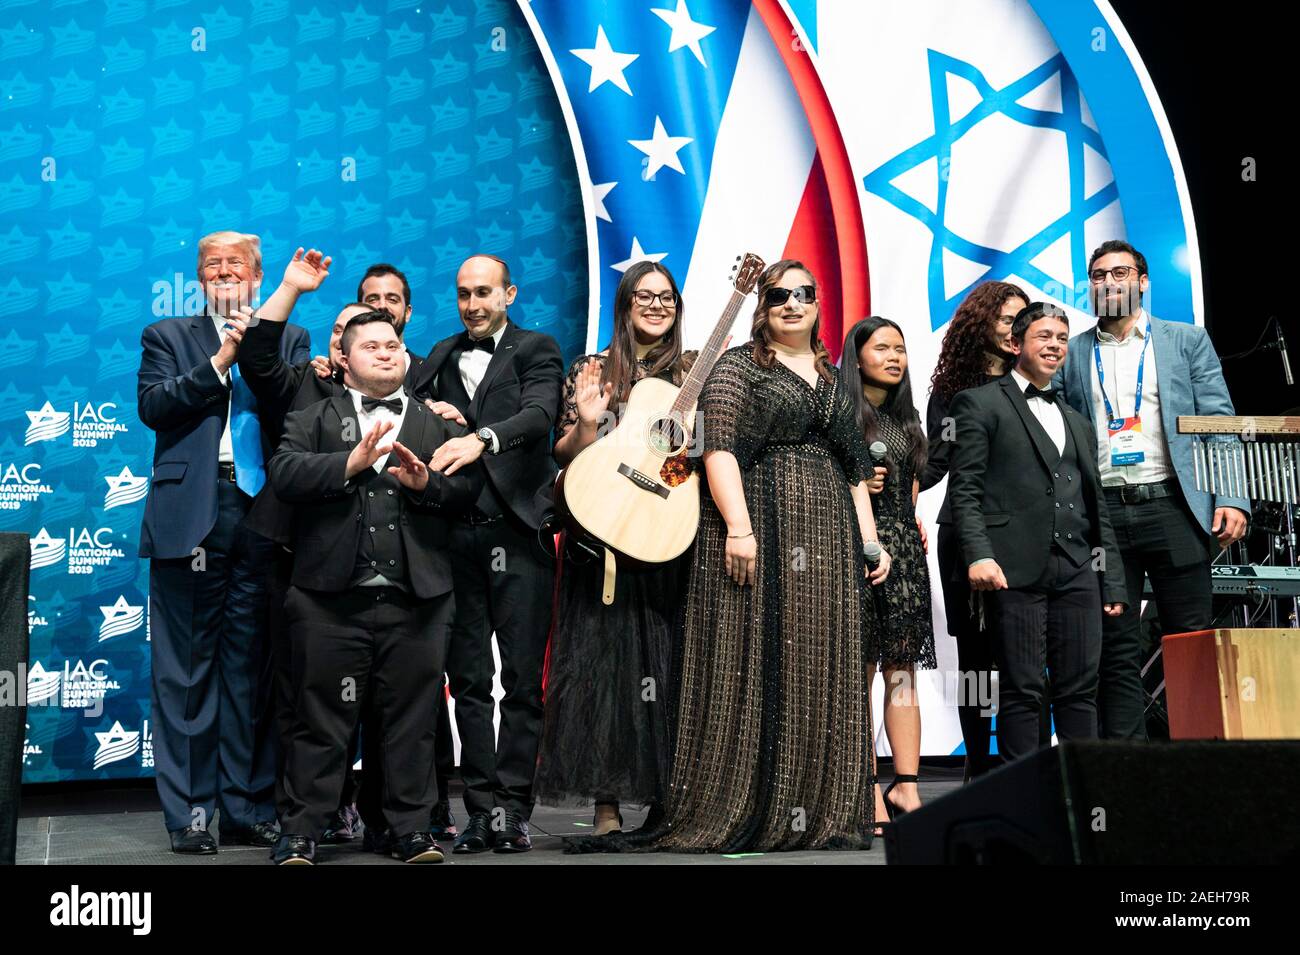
(977, 348)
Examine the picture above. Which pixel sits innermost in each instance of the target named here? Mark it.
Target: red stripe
(839, 212)
(814, 245)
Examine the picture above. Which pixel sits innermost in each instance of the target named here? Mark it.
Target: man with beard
(1131, 376)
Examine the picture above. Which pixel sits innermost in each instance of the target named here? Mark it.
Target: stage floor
(66, 836)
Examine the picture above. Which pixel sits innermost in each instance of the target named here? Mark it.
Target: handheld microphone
(1281, 346)
(879, 450)
(871, 550)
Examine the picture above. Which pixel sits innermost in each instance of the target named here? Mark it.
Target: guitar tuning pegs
(737, 258)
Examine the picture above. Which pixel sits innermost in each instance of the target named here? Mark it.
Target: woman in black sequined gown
(873, 367)
(773, 725)
(605, 735)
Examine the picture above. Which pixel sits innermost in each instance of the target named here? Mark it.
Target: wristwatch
(485, 435)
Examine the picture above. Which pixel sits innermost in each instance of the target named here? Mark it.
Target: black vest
(1071, 521)
(451, 389)
(381, 550)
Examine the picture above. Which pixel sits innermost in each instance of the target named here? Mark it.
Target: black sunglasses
(804, 294)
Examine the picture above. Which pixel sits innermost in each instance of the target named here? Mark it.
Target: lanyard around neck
(1101, 377)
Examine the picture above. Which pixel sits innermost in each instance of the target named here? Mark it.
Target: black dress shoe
(294, 850)
(442, 824)
(477, 837)
(342, 827)
(262, 834)
(514, 838)
(195, 842)
(416, 847)
(376, 840)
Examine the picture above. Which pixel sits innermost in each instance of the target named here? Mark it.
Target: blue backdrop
(388, 131)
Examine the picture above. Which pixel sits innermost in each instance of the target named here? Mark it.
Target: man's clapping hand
(412, 473)
(368, 450)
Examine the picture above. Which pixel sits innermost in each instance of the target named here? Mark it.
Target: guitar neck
(694, 382)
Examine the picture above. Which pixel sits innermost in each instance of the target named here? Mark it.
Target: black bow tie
(488, 344)
(1047, 394)
(392, 404)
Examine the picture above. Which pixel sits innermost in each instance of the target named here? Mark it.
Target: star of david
(1016, 261)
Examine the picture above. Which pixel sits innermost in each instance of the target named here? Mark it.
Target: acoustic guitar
(635, 489)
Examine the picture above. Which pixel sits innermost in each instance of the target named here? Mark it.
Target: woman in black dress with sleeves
(976, 349)
(605, 734)
(773, 725)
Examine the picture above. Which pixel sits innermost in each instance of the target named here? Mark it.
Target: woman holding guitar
(605, 736)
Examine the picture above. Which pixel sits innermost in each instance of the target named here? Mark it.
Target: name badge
(1127, 443)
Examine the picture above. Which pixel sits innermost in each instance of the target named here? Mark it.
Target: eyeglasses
(803, 294)
(643, 297)
(1120, 273)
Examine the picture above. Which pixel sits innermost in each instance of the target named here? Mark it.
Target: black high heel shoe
(890, 808)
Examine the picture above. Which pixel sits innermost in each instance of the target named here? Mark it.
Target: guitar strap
(611, 568)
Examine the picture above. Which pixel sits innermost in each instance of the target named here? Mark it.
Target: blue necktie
(245, 436)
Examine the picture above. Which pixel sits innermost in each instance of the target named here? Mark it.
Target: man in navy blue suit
(208, 571)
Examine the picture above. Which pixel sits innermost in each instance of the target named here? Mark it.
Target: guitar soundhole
(666, 436)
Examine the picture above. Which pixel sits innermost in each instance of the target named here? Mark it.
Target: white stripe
(761, 161)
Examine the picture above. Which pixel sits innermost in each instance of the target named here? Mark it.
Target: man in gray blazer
(1132, 375)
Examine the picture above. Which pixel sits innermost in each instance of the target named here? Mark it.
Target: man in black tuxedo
(1035, 532)
(207, 570)
(281, 388)
(504, 382)
(370, 602)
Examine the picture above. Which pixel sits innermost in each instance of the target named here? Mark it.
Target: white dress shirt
(1048, 413)
(473, 366)
(226, 450)
(1119, 362)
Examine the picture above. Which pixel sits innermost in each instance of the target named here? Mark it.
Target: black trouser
(1158, 539)
(368, 796)
(1053, 623)
(212, 736)
(369, 643)
(282, 675)
(504, 581)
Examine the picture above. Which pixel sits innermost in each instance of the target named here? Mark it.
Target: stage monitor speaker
(1116, 803)
(15, 569)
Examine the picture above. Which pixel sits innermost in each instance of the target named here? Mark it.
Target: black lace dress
(605, 735)
(906, 635)
(773, 723)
